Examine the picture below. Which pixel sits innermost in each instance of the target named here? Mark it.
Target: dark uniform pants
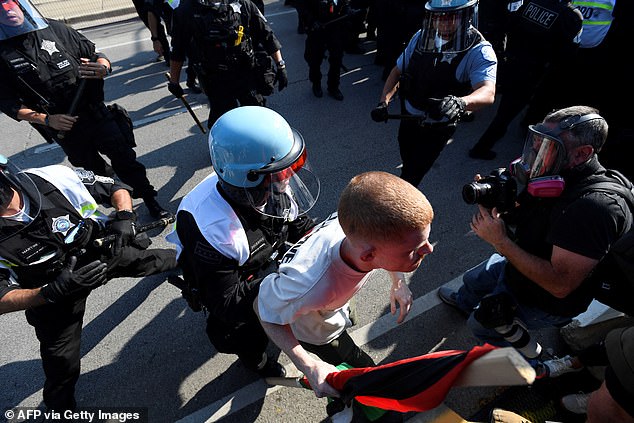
(228, 90)
(96, 131)
(420, 146)
(317, 42)
(341, 350)
(58, 326)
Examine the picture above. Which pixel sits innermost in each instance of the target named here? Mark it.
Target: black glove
(175, 88)
(316, 26)
(281, 77)
(71, 281)
(379, 113)
(124, 228)
(452, 107)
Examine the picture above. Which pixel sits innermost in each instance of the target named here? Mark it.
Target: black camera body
(499, 189)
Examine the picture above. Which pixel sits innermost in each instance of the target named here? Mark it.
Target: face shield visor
(544, 154)
(18, 17)
(288, 189)
(449, 31)
(12, 181)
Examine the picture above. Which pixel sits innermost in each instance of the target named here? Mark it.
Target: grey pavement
(142, 346)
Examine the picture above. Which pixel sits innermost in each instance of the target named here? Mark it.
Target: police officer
(230, 228)
(226, 35)
(49, 220)
(327, 30)
(45, 68)
(542, 38)
(447, 69)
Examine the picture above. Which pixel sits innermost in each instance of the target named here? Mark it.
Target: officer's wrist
(125, 214)
(46, 120)
(281, 64)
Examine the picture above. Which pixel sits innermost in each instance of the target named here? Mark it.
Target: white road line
(259, 389)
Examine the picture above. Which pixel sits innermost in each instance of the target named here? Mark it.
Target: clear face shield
(18, 17)
(14, 181)
(450, 31)
(544, 154)
(287, 190)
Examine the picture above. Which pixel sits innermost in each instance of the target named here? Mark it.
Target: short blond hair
(379, 206)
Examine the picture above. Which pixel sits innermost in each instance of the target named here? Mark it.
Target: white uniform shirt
(312, 287)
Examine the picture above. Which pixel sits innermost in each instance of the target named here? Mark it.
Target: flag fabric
(413, 384)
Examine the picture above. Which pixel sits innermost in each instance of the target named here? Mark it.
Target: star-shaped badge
(49, 46)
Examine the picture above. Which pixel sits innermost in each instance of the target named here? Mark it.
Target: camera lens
(475, 192)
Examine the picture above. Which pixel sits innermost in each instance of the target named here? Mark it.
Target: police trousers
(96, 131)
(58, 326)
(420, 146)
(317, 42)
(227, 90)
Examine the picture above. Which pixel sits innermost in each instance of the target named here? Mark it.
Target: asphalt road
(143, 347)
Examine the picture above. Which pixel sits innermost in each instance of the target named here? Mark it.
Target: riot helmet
(261, 162)
(449, 26)
(18, 17)
(15, 181)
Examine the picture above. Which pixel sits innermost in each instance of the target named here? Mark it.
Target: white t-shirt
(312, 287)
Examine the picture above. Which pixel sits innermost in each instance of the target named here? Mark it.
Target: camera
(499, 189)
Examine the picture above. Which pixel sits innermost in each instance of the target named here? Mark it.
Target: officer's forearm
(391, 85)
(32, 116)
(21, 299)
(121, 200)
(175, 70)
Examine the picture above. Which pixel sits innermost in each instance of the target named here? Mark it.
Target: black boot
(155, 209)
(317, 91)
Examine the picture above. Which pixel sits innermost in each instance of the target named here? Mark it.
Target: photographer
(49, 219)
(549, 240)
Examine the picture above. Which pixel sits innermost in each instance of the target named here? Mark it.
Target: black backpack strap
(613, 182)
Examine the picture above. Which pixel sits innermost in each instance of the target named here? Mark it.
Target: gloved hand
(71, 281)
(379, 113)
(281, 77)
(124, 228)
(452, 107)
(175, 89)
(316, 26)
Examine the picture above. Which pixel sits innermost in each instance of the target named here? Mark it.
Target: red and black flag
(413, 384)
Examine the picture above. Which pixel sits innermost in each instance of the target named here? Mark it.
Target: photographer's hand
(488, 225)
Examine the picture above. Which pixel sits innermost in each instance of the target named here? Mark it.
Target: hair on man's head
(379, 206)
(592, 132)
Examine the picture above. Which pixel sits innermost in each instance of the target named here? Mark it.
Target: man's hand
(316, 376)
(452, 107)
(379, 113)
(175, 89)
(92, 70)
(281, 78)
(71, 281)
(61, 122)
(399, 292)
(489, 226)
(123, 226)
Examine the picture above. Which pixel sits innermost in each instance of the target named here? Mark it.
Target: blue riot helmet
(19, 199)
(18, 17)
(449, 26)
(261, 162)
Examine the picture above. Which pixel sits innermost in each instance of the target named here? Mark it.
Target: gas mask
(545, 156)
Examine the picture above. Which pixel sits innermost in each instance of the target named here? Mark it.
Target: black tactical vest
(427, 75)
(221, 36)
(40, 61)
(38, 252)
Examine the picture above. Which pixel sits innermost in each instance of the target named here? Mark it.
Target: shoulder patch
(88, 177)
